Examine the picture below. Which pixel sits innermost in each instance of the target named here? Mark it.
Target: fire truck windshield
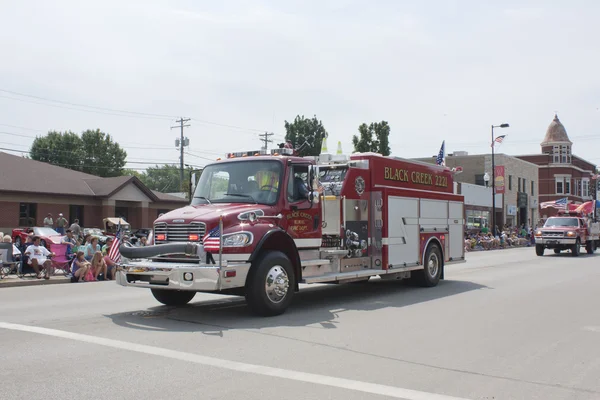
(558, 221)
(253, 181)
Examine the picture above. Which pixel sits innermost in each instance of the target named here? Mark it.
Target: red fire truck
(261, 224)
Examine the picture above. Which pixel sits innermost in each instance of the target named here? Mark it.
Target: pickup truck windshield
(554, 221)
(253, 181)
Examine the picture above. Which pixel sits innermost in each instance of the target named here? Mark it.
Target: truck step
(312, 263)
(340, 276)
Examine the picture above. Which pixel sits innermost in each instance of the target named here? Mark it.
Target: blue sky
(435, 70)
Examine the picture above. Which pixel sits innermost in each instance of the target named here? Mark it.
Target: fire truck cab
(261, 224)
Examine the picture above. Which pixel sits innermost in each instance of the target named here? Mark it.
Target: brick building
(519, 204)
(29, 190)
(561, 174)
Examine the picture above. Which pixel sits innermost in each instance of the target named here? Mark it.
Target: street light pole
(494, 179)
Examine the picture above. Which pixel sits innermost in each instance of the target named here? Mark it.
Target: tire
(43, 243)
(18, 242)
(173, 297)
(576, 249)
(434, 262)
(556, 251)
(270, 285)
(539, 249)
(589, 247)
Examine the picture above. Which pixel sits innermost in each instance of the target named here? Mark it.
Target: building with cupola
(561, 173)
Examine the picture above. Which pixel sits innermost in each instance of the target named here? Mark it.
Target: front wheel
(173, 297)
(590, 247)
(556, 251)
(539, 249)
(576, 249)
(430, 275)
(270, 285)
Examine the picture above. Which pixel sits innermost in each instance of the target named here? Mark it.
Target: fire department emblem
(359, 185)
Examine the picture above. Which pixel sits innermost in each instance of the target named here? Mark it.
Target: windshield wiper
(241, 195)
(202, 198)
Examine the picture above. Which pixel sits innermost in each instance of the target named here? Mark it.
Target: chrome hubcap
(277, 284)
(433, 265)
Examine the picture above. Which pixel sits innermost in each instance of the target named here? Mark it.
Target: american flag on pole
(212, 240)
(560, 203)
(441, 155)
(498, 140)
(114, 253)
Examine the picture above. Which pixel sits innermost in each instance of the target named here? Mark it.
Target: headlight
(237, 239)
(251, 215)
(571, 234)
(538, 233)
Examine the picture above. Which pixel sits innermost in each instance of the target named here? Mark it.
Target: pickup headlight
(240, 239)
(571, 234)
(251, 215)
(538, 233)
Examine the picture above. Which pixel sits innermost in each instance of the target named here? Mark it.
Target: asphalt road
(504, 325)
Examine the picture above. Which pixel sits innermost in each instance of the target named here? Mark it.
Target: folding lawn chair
(9, 265)
(60, 260)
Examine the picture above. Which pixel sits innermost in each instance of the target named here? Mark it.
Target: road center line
(366, 387)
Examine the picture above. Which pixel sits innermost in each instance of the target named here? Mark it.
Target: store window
(477, 219)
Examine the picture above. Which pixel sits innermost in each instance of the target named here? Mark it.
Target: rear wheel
(539, 249)
(173, 297)
(556, 251)
(576, 249)
(18, 242)
(430, 275)
(270, 285)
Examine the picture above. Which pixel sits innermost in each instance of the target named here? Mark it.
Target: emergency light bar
(261, 152)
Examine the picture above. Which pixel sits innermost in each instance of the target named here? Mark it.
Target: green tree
(165, 178)
(102, 156)
(303, 130)
(58, 148)
(94, 152)
(373, 138)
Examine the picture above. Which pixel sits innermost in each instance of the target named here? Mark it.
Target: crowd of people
(88, 260)
(506, 237)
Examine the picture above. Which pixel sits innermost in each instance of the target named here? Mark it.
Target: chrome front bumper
(553, 241)
(170, 275)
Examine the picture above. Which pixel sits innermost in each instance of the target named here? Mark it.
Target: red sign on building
(499, 179)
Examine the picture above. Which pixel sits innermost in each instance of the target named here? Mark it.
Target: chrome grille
(552, 234)
(179, 232)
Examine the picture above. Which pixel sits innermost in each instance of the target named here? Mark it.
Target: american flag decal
(212, 240)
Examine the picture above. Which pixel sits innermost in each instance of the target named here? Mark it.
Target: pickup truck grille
(552, 234)
(179, 232)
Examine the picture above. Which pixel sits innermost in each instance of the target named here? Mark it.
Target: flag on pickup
(560, 203)
(440, 160)
(212, 240)
(114, 253)
(498, 140)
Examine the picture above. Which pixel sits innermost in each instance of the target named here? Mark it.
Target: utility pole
(264, 137)
(181, 143)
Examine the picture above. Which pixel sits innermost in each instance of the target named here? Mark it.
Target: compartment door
(456, 224)
(403, 230)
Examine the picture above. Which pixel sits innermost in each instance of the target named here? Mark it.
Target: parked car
(112, 224)
(48, 235)
(98, 233)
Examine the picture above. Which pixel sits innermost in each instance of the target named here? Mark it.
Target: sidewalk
(15, 281)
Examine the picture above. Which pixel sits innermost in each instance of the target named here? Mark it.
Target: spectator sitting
(70, 241)
(143, 242)
(110, 264)
(16, 251)
(92, 248)
(99, 265)
(80, 267)
(38, 258)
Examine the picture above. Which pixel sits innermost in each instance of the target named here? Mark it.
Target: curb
(8, 282)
